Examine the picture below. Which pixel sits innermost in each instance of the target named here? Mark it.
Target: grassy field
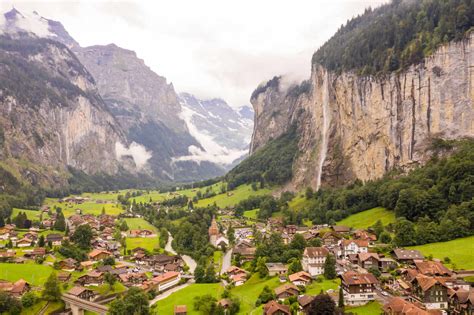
(372, 308)
(316, 287)
(251, 214)
(89, 207)
(460, 251)
(249, 292)
(298, 203)
(364, 219)
(186, 297)
(33, 273)
(240, 193)
(157, 196)
(149, 243)
(32, 215)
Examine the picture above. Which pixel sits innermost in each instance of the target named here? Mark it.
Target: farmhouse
(285, 291)
(55, 239)
(432, 292)
(300, 278)
(82, 293)
(98, 254)
(274, 308)
(358, 288)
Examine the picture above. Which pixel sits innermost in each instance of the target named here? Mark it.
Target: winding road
(226, 261)
(187, 259)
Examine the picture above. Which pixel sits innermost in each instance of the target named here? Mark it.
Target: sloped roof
(314, 252)
(354, 278)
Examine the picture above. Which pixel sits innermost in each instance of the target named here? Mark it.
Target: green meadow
(364, 219)
(231, 198)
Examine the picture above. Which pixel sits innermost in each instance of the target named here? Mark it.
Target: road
(187, 259)
(226, 261)
(168, 292)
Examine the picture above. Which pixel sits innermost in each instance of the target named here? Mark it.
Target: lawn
(89, 207)
(149, 243)
(460, 251)
(140, 224)
(364, 219)
(249, 292)
(299, 202)
(372, 308)
(32, 215)
(105, 288)
(251, 214)
(316, 287)
(33, 273)
(224, 200)
(186, 297)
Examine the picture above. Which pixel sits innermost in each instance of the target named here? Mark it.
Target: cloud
(137, 151)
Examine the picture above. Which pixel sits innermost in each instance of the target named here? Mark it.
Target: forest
(395, 36)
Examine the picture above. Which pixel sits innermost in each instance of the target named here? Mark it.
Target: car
(384, 293)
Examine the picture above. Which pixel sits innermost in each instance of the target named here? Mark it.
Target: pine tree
(41, 241)
(341, 298)
(330, 267)
(51, 291)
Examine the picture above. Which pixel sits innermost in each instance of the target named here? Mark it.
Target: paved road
(188, 260)
(226, 261)
(167, 293)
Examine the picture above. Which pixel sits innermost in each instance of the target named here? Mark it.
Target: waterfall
(324, 133)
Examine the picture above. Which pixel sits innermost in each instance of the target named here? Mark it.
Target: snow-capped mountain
(223, 132)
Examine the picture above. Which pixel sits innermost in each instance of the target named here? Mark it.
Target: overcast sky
(211, 48)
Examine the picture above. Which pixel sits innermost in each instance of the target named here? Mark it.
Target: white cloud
(208, 48)
(137, 151)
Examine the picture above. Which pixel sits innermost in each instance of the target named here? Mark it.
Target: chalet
(275, 308)
(36, 252)
(301, 278)
(341, 229)
(132, 279)
(354, 247)
(171, 267)
(180, 310)
(93, 278)
(313, 260)
(407, 256)
(358, 288)
(247, 253)
(369, 260)
(432, 268)
(461, 302)
(55, 239)
(238, 279)
(285, 291)
(432, 292)
(275, 269)
(68, 264)
(87, 265)
(386, 264)
(64, 276)
(20, 287)
(158, 262)
(104, 268)
(304, 302)
(331, 238)
(167, 280)
(82, 293)
(24, 242)
(399, 306)
(98, 254)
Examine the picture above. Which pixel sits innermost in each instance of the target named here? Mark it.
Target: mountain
(222, 132)
(358, 120)
(145, 108)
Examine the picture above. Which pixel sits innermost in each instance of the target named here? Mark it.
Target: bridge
(78, 305)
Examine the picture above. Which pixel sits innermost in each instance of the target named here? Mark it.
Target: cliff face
(361, 127)
(51, 115)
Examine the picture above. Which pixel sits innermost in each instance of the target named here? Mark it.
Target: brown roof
(354, 278)
(410, 254)
(96, 252)
(180, 309)
(399, 306)
(19, 286)
(464, 296)
(305, 300)
(432, 268)
(341, 228)
(313, 252)
(76, 291)
(332, 233)
(302, 275)
(360, 243)
(286, 287)
(166, 276)
(365, 256)
(272, 307)
(427, 282)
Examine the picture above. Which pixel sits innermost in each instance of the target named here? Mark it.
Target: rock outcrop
(354, 127)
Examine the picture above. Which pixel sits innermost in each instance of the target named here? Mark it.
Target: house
(132, 279)
(285, 291)
(55, 239)
(432, 292)
(354, 247)
(31, 235)
(24, 242)
(314, 259)
(364, 235)
(167, 280)
(238, 279)
(407, 256)
(140, 233)
(432, 268)
(399, 306)
(98, 254)
(36, 252)
(275, 308)
(369, 260)
(158, 262)
(82, 293)
(331, 238)
(386, 264)
(93, 278)
(87, 265)
(64, 276)
(180, 310)
(245, 250)
(300, 278)
(20, 287)
(461, 302)
(341, 229)
(276, 269)
(358, 288)
(290, 229)
(68, 264)
(304, 302)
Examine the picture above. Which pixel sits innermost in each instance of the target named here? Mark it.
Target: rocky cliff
(353, 126)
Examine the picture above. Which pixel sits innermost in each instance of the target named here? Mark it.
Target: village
(363, 269)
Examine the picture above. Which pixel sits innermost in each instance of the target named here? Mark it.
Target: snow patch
(137, 151)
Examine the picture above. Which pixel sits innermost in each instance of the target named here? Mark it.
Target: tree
(322, 304)
(340, 303)
(298, 242)
(51, 291)
(60, 223)
(83, 236)
(330, 267)
(294, 266)
(265, 296)
(110, 280)
(199, 274)
(41, 241)
(9, 305)
(378, 228)
(404, 232)
(385, 238)
(124, 226)
(103, 211)
(134, 302)
(2, 222)
(309, 193)
(205, 304)
(261, 267)
(231, 234)
(28, 299)
(375, 271)
(108, 261)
